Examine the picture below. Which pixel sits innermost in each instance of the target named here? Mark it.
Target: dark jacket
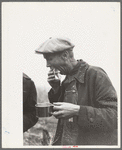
(29, 101)
(96, 124)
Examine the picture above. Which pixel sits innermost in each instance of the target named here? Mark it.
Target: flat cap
(53, 45)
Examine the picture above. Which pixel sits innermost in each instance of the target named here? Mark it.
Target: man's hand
(65, 110)
(53, 81)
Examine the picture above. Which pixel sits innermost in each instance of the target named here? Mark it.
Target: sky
(94, 28)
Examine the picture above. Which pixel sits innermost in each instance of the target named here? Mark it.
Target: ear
(65, 55)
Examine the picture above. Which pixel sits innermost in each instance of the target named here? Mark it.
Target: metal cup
(44, 109)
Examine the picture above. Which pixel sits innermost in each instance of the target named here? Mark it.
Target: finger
(57, 108)
(51, 76)
(58, 103)
(53, 72)
(59, 116)
(50, 73)
(57, 113)
(57, 72)
(54, 80)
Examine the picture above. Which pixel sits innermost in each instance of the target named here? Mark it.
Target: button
(70, 119)
(91, 119)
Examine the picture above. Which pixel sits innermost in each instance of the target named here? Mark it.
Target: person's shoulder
(26, 76)
(96, 69)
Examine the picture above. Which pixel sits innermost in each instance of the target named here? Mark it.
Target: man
(85, 102)
(29, 101)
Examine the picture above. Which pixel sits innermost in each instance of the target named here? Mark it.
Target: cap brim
(38, 52)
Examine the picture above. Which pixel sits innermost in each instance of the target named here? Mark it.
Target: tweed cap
(53, 45)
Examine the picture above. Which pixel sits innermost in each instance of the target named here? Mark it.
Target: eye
(49, 59)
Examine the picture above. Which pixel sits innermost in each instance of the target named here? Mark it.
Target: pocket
(72, 126)
(71, 96)
(70, 132)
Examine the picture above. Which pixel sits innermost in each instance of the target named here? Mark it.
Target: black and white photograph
(60, 75)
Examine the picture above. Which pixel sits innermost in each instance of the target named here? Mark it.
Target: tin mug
(44, 109)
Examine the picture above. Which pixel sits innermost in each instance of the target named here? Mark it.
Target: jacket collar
(80, 75)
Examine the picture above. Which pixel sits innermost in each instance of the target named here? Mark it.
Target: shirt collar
(80, 74)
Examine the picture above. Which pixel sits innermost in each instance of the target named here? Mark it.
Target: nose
(48, 64)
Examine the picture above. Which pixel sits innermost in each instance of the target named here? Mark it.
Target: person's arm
(54, 96)
(104, 115)
(55, 91)
(29, 117)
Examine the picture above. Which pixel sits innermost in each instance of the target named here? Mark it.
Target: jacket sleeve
(29, 116)
(54, 97)
(103, 116)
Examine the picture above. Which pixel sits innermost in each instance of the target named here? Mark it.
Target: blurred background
(94, 28)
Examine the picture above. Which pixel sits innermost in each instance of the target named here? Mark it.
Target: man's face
(54, 61)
